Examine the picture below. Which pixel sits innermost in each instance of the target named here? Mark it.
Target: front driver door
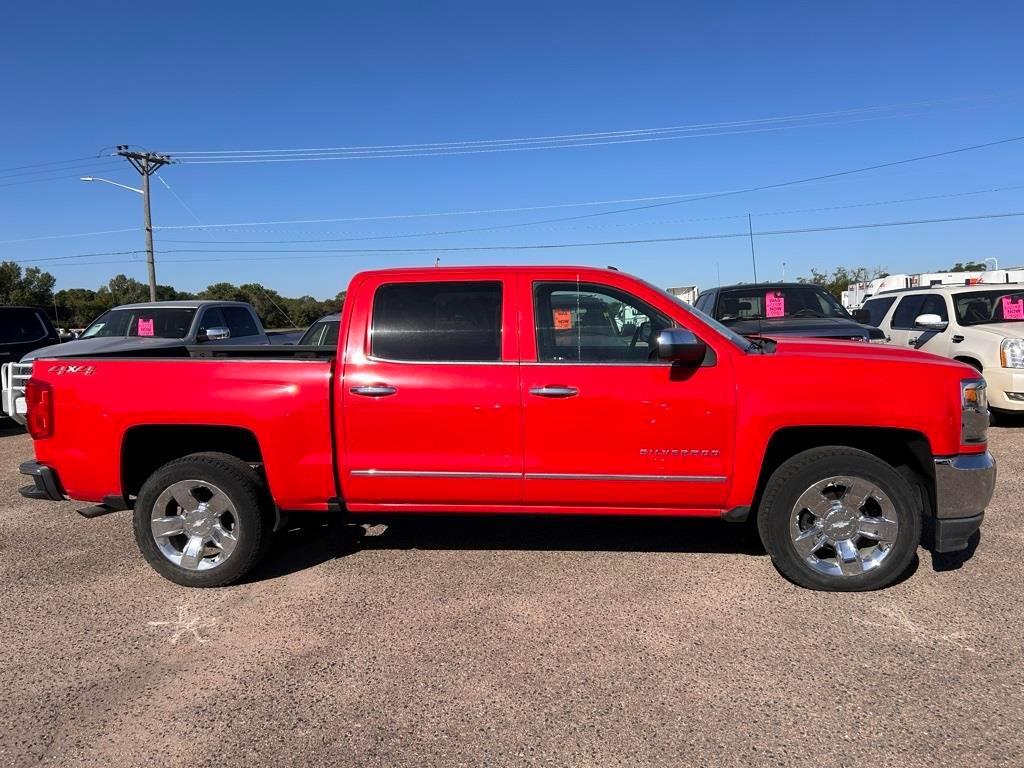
(608, 424)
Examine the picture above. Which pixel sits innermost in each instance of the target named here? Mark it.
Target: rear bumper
(46, 484)
(964, 486)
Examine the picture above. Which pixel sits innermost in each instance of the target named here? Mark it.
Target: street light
(148, 219)
(116, 184)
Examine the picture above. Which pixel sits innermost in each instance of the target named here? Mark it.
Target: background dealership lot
(502, 642)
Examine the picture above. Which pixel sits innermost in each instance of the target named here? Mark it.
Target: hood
(859, 351)
(106, 345)
(1011, 330)
(820, 327)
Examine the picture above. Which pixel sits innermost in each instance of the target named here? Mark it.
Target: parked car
(785, 309)
(471, 390)
(144, 329)
(981, 325)
(322, 333)
(22, 330)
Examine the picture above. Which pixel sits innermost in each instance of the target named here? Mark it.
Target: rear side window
(876, 309)
(704, 303)
(21, 325)
(440, 322)
(240, 322)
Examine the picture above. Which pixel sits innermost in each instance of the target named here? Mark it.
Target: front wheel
(839, 519)
(203, 520)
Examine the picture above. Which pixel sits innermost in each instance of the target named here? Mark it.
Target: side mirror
(216, 333)
(930, 322)
(862, 316)
(681, 346)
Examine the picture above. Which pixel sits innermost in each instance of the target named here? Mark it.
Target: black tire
(795, 476)
(246, 492)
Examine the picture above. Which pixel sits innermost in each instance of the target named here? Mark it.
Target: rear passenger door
(242, 325)
(431, 409)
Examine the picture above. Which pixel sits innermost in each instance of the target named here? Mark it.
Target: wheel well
(909, 452)
(973, 362)
(146, 448)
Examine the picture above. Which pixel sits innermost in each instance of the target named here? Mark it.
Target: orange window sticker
(563, 319)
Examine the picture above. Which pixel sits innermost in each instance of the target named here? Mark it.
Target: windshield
(741, 342)
(998, 306)
(323, 333)
(150, 322)
(777, 303)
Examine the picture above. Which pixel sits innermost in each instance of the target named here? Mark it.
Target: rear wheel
(204, 520)
(839, 519)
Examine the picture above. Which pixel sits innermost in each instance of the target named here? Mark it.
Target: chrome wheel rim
(195, 525)
(843, 526)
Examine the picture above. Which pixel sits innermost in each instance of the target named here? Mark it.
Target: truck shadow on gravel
(10, 429)
(313, 541)
(310, 542)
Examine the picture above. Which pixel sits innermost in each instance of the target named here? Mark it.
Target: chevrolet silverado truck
(512, 390)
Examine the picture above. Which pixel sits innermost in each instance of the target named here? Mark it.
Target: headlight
(1011, 353)
(974, 415)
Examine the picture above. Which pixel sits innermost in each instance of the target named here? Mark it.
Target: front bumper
(964, 486)
(46, 484)
(1002, 382)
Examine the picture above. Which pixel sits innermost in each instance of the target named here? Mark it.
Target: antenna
(753, 260)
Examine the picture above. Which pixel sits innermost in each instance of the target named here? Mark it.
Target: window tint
(240, 322)
(20, 325)
(908, 309)
(212, 318)
(876, 309)
(445, 322)
(592, 323)
(323, 333)
(934, 305)
(159, 322)
(704, 302)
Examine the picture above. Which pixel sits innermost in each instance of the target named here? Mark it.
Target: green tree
(970, 266)
(33, 287)
(842, 278)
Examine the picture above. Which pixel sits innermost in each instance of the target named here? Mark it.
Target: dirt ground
(503, 642)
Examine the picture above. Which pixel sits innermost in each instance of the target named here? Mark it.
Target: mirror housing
(930, 322)
(217, 333)
(681, 346)
(862, 316)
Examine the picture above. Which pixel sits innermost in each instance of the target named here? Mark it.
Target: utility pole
(146, 163)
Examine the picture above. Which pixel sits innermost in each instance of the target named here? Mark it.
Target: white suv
(981, 325)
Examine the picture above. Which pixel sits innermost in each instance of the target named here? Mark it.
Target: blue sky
(229, 76)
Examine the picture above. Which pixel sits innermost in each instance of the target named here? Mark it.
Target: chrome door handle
(554, 390)
(374, 390)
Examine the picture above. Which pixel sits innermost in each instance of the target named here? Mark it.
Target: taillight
(39, 402)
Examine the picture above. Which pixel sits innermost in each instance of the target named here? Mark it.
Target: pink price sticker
(145, 326)
(1013, 310)
(774, 305)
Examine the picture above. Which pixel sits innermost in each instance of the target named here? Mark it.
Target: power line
(94, 169)
(48, 162)
(627, 134)
(303, 253)
(62, 169)
(64, 237)
(620, 224)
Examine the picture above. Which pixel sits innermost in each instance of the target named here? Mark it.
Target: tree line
(77, 307)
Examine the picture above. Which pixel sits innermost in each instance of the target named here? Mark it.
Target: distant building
(858, 293)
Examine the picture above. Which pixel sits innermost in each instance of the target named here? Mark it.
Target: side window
(212, 318)
(908, 309)
(876, 309)
(240, 322)
(704, 302)
(594, 324)
(934, 305)
(442, 322)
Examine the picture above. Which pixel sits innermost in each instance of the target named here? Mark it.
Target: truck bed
(276, 398)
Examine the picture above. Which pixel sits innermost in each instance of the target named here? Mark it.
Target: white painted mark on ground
(186, 624)
(920, 634)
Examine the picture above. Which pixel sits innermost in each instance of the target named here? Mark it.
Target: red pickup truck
(542, 390)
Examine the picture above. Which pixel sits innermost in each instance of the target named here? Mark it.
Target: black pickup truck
(784, 309)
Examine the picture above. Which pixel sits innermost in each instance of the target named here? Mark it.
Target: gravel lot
(503, 642)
